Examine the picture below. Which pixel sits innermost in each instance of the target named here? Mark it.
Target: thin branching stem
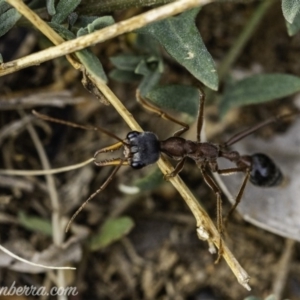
(205, 226)
(46, 172)
(58, 233)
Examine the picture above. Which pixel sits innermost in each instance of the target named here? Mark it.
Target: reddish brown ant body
(144, 148)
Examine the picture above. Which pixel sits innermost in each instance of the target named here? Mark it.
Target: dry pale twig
(31, 263)
(58, 234)
(48, 98)
(46, 172)
(95, 37)
(283, 268)
(51, 35)
(204, 223)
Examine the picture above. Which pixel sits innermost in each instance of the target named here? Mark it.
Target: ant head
(264, 172)
(142, 149)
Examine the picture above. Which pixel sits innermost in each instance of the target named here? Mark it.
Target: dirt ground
(161, 258)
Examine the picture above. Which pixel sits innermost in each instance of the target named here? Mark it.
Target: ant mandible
(144, 148)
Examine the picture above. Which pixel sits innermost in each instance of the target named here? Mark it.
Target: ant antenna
(117, 162)
(95, 128)
(239, 136)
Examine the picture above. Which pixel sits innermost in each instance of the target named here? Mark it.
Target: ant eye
(264, 171)
(137, 165)
(132, 134)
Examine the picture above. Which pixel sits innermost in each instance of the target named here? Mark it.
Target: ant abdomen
(264, 172)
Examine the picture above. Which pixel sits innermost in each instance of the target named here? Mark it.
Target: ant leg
(102, 187)
(177, 169)
(238, 197)
(200, 115)
(230, 171)
(162, 114)
(211, 183)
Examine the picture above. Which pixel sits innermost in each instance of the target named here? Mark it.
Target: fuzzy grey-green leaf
(63, 9)
(180, 98)
(290, 9)
(149, 81)
(50, 4)
(62, 31)
(258, 89)
(4, 6)
(181, 39)
(151, 69)
(8, 19)
(126, 62)
(86, 56)
(151, 181)
(112, 230)
(293, 27)
(124, 76)
(96, 24)
(91, 63)
(34, 223)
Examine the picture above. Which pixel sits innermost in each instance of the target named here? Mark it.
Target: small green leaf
(151, 69)
(96, 24)
(258, 89)
(63, 31)
(124, 76)
(181, 39)
(8, 19)
(293, 27)
(35, 224)
(151, 181)
(271, 297)
(149, 65)
(126, 62)
(111, 231)
(72, 18)
(137, 67)
(149, 81)
(91, 63)
(100, 23)
(63, 9)
(290, 9)
(50, 4)
(84, 21)
(86, 56)
(180, 98)
(4, 6)
(148, 44)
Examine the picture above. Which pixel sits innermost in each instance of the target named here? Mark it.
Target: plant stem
(204, 224)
